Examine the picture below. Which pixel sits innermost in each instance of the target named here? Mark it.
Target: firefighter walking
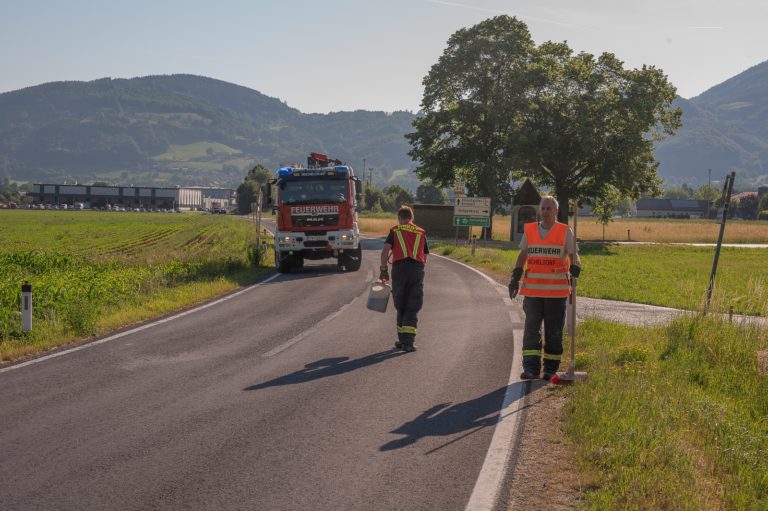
(407, 242)
(548, 253)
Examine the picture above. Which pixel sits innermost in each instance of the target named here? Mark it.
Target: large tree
(470, 97)
(498, 108)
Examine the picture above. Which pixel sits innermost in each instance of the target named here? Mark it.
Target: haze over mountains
(191, 130)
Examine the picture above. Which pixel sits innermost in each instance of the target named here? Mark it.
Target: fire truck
(316, 208)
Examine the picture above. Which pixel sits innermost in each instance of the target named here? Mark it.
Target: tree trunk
(562, 199)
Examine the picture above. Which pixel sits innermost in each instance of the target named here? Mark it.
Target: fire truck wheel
(282, 262)
(351, 259)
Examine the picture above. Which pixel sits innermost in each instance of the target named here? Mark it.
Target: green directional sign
(470, 221)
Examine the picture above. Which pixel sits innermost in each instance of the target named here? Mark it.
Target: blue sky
(321, 56)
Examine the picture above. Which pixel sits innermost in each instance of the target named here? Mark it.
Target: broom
(571, 375)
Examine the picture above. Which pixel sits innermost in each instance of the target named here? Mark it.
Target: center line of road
(308, 331)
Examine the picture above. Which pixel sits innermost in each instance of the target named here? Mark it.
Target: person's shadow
(446, 419)
(327, 367)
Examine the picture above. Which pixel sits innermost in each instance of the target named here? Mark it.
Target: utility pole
(726, 198)
(364, 167)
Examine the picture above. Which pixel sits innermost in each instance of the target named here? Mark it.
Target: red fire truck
(316, 209)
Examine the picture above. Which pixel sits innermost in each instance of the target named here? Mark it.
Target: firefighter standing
(408, 244)
(549, 253)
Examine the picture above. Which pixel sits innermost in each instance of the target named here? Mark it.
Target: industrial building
(130, 196)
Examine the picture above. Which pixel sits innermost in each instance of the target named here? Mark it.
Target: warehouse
(124, 196)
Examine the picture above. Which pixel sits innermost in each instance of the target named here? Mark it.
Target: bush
(763, 215)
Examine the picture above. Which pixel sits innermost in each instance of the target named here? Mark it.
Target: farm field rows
(87, 268)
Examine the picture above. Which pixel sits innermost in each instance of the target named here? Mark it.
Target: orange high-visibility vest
(409, 242)
(546, 267)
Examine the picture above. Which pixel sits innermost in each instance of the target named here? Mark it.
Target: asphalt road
(287, 395)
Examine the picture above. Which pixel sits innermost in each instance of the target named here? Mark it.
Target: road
(284, 395)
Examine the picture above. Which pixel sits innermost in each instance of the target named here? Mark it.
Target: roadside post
(726, 199)
(26, 307)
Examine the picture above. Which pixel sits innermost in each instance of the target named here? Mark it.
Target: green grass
(188, 152)
(667, 275)
(672, 418)
(95, 271)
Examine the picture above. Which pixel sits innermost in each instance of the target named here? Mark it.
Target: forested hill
(191, 130)
(182, 129)
(724, 129)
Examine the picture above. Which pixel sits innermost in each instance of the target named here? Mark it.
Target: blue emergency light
(285, 171)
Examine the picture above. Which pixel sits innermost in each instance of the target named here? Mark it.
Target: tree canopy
(497, 108)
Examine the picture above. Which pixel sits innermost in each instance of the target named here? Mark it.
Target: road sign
(469, 221)
(472, 206)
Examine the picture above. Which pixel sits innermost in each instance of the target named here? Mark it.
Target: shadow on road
(327, 367)
(470, 416)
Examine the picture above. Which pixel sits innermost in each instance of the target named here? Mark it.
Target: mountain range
(191, 130)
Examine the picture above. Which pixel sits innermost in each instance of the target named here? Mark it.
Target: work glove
(514, 285)
(383, 273)
(575, 271)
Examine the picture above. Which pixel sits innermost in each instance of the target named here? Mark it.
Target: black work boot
(531, 368)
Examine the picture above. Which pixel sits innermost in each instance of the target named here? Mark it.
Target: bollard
(628, 238)
(474, 243)
(730, 314)
(26, 306)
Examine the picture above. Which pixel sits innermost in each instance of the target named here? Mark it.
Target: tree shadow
(470, 416)
(326, 367)
(597, 248)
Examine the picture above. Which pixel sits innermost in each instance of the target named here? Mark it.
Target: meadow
(92, 272)
(673, 417)
(655, 230)
(623, 229)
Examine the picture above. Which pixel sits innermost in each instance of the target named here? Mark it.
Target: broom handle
(572, 366)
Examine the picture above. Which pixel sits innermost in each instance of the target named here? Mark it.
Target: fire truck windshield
(314, 191)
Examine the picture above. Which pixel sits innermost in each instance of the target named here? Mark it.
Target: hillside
(192, 130)
(180, 129)
(724, 129)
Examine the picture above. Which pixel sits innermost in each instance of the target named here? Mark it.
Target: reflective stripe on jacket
(546, 266)
(409, 241)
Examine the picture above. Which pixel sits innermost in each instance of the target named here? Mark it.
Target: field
(183, 153)
(667, 275)
(95, 271)
(655, 230)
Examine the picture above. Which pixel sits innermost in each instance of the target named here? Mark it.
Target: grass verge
(672, 417)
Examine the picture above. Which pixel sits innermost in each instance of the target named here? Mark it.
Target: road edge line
(137, 329)
(485, 494)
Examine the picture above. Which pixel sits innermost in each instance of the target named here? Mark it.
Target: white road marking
(488, 485)
(138, 329)
(310, 330)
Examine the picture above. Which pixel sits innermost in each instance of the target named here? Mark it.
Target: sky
(341, 55)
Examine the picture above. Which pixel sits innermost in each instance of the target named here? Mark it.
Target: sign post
(471, 212)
